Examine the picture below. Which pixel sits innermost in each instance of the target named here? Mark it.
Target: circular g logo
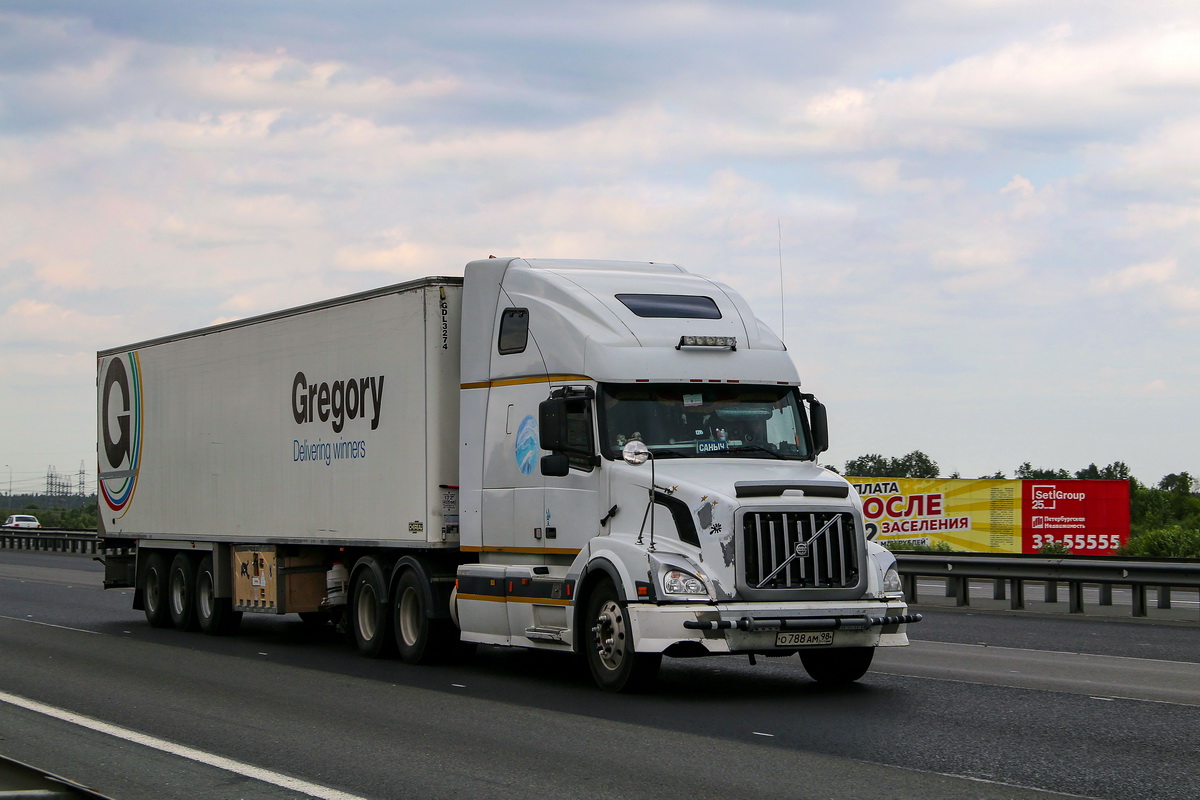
(120, 447)
(115, 449)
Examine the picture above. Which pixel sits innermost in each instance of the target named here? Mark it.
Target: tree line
(1164, 518)
(81, 518)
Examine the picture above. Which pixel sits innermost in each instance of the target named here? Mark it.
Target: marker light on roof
(707, 341)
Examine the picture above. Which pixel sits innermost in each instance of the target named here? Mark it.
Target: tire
(420, 639)
(608, 644)
(154, 591)
(181, 592)
(215, 615)
(837, 667)
(370, 617)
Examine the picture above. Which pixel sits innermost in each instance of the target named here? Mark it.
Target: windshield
(695, 421)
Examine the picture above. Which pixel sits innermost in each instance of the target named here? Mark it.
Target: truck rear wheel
(837, 667)
(608, 644)
(214, 614)
(181, 592)
(370, 617)
(420, 638)
(154, 591)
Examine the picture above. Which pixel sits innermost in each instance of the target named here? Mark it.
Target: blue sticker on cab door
(526, 448)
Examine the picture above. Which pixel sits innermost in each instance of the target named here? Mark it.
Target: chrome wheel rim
(177, 592)
(368, 614)
(409, 616)
(610, 635)
(204, 595)
(153, 598)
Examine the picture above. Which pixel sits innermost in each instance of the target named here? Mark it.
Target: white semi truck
(607, 458)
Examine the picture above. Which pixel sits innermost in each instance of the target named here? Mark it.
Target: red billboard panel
(1089, 517)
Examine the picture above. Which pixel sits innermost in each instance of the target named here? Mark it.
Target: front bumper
(753, 627)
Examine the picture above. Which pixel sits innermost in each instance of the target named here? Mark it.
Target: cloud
(1165, 157)
(1154, 273)
(958, 193)
(42, 328)
(1056, 84)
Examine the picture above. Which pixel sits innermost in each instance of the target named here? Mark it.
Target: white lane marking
(220, 762)
(936, 642)
(50, 625)
(965, 682)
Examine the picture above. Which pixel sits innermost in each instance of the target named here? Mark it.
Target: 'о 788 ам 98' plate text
(803, 638)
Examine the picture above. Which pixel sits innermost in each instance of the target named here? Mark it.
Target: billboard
(1091, 517)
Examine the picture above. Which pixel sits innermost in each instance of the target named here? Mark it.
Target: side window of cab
(579, 434)
(514, 331)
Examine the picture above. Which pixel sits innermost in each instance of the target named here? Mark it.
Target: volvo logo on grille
(801, 549)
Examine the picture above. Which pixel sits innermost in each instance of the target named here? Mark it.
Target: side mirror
(552, 424)
(819, 422)
(555, 465)
(635, 453)
(564, 426)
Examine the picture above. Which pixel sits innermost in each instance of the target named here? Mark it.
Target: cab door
(513, 482)
(574, 502)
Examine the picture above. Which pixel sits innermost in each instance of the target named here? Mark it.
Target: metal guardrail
(20, 781)
(1009, 573)
(48, 540)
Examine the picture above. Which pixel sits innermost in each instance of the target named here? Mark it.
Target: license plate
(803, 638)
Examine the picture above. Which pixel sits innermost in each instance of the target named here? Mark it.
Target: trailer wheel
(154, 591)
(214, 614)
(370, 617)
(608, 644)
(837, 667)
(419, 638)
(181, 592)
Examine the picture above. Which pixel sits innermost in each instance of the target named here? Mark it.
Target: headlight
(676, 581)
(891, 582)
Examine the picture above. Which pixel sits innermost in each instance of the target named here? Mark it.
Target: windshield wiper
(757, 448)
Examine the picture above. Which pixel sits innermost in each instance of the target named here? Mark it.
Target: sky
(976, 223)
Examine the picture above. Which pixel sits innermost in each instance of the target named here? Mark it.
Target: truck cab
(639, 476)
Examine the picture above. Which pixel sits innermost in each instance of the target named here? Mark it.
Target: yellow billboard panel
(980, 516)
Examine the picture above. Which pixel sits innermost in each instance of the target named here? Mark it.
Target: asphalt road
(983, 705)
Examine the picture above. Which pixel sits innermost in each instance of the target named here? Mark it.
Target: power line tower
(58, 487)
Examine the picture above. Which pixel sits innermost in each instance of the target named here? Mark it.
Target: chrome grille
(799, 550)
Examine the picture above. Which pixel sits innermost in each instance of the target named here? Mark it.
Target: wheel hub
(609, 633)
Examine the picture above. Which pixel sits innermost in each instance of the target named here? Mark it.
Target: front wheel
(608, 643)
(837, 667)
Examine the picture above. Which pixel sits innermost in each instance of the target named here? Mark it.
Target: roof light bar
(707, 341)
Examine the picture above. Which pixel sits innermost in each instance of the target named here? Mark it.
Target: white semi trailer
(607, 458)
